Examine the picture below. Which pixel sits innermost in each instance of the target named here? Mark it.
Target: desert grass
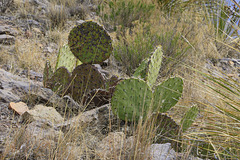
(188, 39)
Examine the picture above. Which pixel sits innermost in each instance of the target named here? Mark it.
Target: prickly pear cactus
(131, 99)
(154, 66)
(66, 59)
(167, 94)
(141, 71)
(85, 78)
(47, 73)
(189, 118)
(59, 81)
(90, 43)
(167, 130)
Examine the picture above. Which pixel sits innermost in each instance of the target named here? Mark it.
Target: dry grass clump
(58, 15)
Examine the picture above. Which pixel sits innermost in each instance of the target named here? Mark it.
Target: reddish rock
(20, 107)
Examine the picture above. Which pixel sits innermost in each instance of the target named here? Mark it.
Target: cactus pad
(141, 71)
(59, 80)
(67, 59)
(131, 99)
(189, 118)
(167, 94)
(47, 73)
(167, 130)
(90, 43)
(154, 66)
(85, 78)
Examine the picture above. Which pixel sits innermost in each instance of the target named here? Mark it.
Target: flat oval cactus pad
(167, 130)
(59, 80)
(90, 43)
(131, 99)
(85, 78)
(67, 59)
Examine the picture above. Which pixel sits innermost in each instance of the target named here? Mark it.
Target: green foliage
(135, 46)
(141, 71)
(59, 81)
(85, 77)
(67, 59)
(124, 13)
(90, 43)
(166, 129)
(167, 94)
(189, 118)
(154, 66)
(131, 99)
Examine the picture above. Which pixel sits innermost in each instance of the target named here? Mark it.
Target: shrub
(124, 13)
(58, 15)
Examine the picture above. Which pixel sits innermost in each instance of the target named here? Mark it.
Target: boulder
(42, 113)
(115, 146)
(34, 141)
(161, 151)
(14, 89)
(7, 39)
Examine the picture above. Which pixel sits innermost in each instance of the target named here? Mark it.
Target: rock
(114, 146)
(7, 39)
(8, 30)
(7, 96)
(20, 107)
(161, 151)
(34, 141)
(96, 122)
(42, 113)
(31, 75)
(17, 89)
(7, 128)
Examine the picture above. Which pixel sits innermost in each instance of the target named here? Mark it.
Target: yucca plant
(219, 137)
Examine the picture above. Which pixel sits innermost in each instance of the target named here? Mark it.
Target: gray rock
(161, 152)
(17, 89)
(5, 29)
(95, 121)
(36, 140)
(7, 39)
(42, 113)
(114, 146)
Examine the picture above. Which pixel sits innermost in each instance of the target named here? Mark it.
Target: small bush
(124, 13)
(58, 15)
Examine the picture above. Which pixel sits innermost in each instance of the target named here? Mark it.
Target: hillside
(119, 79)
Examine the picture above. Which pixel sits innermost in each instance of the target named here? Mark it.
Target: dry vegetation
(188, 39)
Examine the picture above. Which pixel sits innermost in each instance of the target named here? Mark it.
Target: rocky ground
(35, 123)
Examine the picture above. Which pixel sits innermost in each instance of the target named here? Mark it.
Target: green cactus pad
(154, 66)
(47, 73)
(167, 94)
(167, 130)
(189, 118)
(67, 59)
(90, 43)
(85, 78)
(59, 80)
(141, 71)
(131, 99)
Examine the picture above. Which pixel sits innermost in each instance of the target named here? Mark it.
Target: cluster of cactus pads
(75, 75)
(133, 98)
(140, 98)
